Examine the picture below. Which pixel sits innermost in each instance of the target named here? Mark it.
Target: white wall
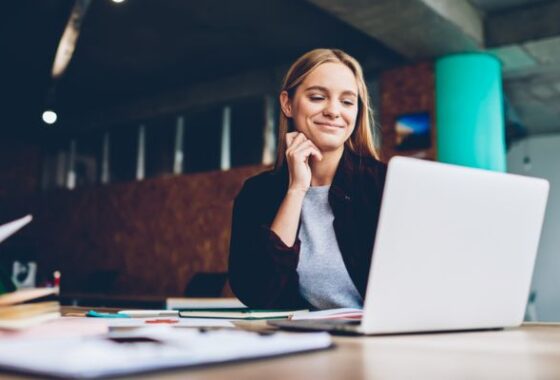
(544, 154)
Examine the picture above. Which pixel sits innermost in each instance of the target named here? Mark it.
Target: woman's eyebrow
(319, 88)
(324, 89)
(351, 93)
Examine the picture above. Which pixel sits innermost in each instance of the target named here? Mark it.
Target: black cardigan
(262, 269)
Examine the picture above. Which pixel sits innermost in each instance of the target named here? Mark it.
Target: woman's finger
(305, 150)
(297, 141)
(317, 154)
(297, 144)
(312, 152)
(290, 138)
(309, 143)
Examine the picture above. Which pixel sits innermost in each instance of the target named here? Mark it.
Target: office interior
(128, 127)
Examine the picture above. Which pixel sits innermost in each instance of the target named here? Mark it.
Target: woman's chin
(329, 146)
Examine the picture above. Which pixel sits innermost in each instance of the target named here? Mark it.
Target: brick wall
(406, 90)
(144, 238)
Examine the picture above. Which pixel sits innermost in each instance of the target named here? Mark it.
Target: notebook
(242, 313)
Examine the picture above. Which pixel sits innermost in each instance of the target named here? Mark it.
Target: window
(202, 140)
(160, 146)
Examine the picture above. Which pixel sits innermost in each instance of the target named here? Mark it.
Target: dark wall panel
(143, 238)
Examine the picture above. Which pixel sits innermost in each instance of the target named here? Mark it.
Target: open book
(342, 313)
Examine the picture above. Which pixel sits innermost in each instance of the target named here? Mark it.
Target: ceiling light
(118, 1)
(49, 117)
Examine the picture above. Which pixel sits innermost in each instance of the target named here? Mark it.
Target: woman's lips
(328, 125)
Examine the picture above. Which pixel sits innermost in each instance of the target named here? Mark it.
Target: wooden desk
(530, 352)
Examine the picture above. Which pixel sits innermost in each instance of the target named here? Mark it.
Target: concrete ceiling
(493, 6)
(132, 53)
(527, 41)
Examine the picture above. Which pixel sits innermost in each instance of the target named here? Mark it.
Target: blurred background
(127, 127)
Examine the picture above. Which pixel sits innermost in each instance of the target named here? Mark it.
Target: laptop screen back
(455, 248)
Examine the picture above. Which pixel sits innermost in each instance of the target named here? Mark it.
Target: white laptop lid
(455, 248)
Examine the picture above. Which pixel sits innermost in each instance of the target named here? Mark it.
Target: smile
(328, 125)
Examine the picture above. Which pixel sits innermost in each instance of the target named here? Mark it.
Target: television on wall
(413, 131)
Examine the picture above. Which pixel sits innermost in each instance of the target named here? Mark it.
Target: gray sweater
(323, 279)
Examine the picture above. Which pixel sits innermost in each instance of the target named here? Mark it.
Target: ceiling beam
(537, 21)
(215, 92)
(219, 91)
(69, 38)
(416, 29)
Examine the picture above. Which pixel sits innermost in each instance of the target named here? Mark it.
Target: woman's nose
(331, 110)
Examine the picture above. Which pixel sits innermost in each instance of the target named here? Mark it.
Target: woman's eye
(348, 102)
(316, 98)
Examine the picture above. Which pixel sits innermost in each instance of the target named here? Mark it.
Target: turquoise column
(469, 111)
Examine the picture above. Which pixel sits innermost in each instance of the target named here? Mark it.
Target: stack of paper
(28, 307)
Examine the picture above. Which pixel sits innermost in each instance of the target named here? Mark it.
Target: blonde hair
(361, 141)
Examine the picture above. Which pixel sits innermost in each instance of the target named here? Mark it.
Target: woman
(302, 234)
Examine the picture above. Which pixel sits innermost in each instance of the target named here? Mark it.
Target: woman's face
(325, 106)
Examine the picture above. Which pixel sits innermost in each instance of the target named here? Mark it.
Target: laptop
(455, 250)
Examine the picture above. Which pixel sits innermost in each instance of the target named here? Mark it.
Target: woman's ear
(285, 104)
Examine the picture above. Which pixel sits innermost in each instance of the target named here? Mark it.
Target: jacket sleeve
(262, 269)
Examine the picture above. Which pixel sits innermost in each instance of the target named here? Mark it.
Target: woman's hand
(299, 150)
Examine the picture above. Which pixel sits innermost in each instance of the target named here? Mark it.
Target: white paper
(171, 348)
(6, 230)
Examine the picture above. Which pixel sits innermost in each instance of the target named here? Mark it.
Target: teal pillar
(469, 111)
